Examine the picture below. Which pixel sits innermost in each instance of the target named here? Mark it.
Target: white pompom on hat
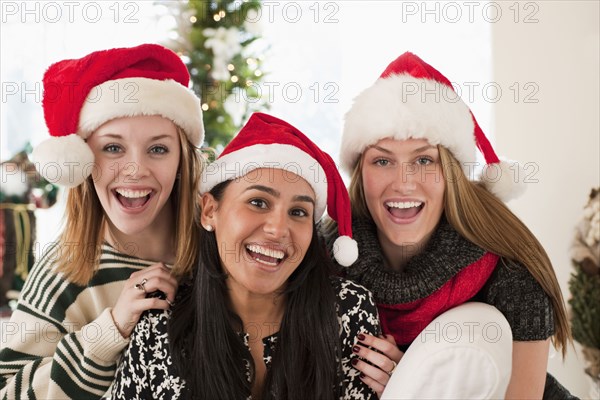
(411, 99)
(268, 142)
(82, 94)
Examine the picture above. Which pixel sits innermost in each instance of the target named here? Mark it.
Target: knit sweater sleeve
(517, 295)
(56, 346)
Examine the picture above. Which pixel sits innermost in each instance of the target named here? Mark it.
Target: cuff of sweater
(104, 341)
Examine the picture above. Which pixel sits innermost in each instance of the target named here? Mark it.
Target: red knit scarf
(406, 321)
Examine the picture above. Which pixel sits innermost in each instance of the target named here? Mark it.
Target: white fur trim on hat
(345, 251)
(402, 107)
(64, 160)
(506, 179)
(240, 162)
(129, 97)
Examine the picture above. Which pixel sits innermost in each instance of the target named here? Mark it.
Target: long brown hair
(483, 219)
(81, 239)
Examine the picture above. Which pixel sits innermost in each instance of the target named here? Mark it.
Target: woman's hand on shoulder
(378, 356)
(132, 301)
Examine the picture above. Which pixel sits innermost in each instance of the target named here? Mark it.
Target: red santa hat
(268, 142)
(82, 94)
(411, 99)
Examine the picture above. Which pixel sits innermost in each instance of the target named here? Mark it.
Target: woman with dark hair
(263, 316)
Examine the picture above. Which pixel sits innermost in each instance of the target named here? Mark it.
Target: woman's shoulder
(512, 273)
(44, 278)
(343, 286)
(356, 310)
(514, 291)
(351, 295)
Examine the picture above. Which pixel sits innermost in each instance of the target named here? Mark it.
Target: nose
(276, 224)
(407, 175)
(133, 167)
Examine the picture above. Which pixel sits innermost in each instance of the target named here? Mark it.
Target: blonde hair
(81, 240)
(484, 220)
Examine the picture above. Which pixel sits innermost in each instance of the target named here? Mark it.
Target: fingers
(386, 345)
(375, 380)
(380, 362)
(156, 277)
(377, 359)
(132, 301)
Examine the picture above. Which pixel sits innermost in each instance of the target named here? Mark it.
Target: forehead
(143, 126)
(402, 144)
(279, 179)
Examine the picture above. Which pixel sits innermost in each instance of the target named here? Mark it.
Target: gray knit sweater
(511, 288)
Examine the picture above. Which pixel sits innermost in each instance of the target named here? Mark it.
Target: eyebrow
(275, 193)
(306, 199)
(420, 149)
(153, 138)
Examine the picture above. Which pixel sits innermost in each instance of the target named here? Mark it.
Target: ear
(209, 207)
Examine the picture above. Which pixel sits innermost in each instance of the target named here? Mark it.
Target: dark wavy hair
(210, 355)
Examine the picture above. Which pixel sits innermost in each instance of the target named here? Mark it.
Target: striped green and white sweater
(61, 341)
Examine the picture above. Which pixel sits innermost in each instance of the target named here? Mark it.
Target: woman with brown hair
(432, 239)
(125, 130)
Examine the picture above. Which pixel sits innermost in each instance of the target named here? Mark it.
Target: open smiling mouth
(405, 209)
(265, 255)
(133, 199)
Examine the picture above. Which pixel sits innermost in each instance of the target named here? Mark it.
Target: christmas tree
(584, 286)
(220, 43)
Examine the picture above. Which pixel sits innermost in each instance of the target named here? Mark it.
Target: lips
(404, 210)
(265, 255)
(133, 199)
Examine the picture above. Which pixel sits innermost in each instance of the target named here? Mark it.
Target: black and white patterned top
(147, 371)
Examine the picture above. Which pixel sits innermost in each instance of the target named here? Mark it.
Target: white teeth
(272, 264)
(133, 194)
(403, 204)
(266, 251)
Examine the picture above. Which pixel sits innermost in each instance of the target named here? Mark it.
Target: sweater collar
(445, 255)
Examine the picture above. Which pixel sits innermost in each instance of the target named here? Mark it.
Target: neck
(152, 244)
(260, 314)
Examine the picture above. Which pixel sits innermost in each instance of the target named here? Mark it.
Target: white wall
(559, 55)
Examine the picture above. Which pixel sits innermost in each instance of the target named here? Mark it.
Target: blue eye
(112, 148)
(382, 162)
(159, 150)
(424, 160)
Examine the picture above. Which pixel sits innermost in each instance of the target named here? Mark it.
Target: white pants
(465, 353)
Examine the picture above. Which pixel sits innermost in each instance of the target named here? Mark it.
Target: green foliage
(224, 63)
(585, 307)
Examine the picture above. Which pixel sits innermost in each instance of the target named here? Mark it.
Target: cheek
(101, 174)
(104, 171)
(437, 192)
(167, 174)
(306, 239)
(373, 185)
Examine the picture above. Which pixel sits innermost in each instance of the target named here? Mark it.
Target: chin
(130, 230)
(262, 289)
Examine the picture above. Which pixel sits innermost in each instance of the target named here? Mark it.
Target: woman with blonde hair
(433, 241)
(125, 130)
